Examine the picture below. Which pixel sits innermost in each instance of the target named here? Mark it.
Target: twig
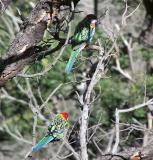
(128, 45)
(120, 70)
(49, 97)
(125, 16)
(34, 129)
(101, 152)
(110, 142)
(11, 98)
(77, 157)
(15, 136)
(2, 5)
(117, 130)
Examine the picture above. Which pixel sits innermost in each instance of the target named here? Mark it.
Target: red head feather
(64, 115)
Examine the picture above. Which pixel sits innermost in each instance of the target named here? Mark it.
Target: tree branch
(99, 72)
(4, 4)
(118, 111)
(24, 50)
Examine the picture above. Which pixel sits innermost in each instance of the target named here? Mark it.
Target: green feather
(81, 35)
(55, 132)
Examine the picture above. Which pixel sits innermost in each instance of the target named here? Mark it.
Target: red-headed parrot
(83, 35)
(55, 131)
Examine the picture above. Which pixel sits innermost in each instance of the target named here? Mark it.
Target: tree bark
(4, 4)
(24, 49)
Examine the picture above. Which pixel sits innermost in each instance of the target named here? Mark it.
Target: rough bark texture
(4, 4)
(23, 49)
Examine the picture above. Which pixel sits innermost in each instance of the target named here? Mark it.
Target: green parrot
(83, 35)
(55, 131)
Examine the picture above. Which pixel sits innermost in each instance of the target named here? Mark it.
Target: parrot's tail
(42, 143)
(72, 59)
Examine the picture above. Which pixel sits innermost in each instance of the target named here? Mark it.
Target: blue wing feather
(72, 59)
(42, 143)
(91, 34)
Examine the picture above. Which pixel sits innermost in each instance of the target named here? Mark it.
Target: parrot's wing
(73, 57)
(42, 143)
(82, 35)
(59, 134)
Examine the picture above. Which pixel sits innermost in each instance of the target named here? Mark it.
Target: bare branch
(15, 136)
(49, 97)
(11, 98)
(4, 4)
(125, 16)
(118, 111)
(77, 157)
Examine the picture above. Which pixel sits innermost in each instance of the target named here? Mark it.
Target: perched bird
(82, 36)
(55, 131)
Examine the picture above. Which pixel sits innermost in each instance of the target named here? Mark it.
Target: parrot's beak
(93, 24)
